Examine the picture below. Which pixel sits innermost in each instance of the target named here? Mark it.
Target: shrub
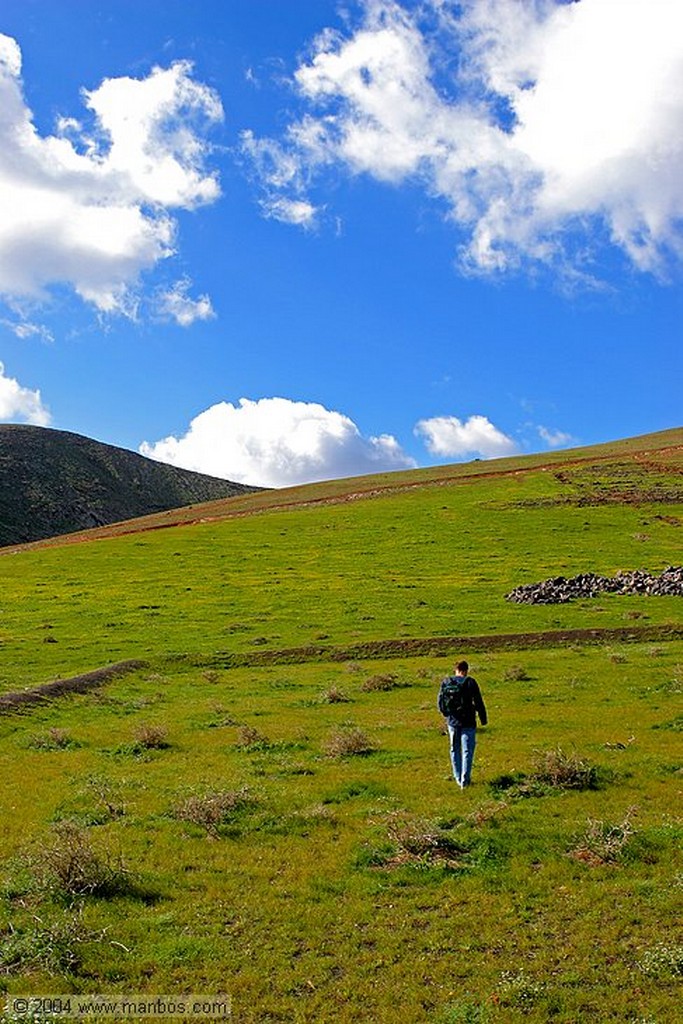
(53, 739)
(251, 739)
(381, 682)
(106, 794)
(212, 809)
(349, 741)
(463, 1012)
(70, 866)
(554, 770)
(515, 674)
(334, 696)
(560, 770)
(53, 945)
(519, 990)
(151, 737)
(603, 843)
(421, 840)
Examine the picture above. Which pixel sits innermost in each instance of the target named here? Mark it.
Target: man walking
(460, 701)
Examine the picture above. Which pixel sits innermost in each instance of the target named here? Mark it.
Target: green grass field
(196, 827)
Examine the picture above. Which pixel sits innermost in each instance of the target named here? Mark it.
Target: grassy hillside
(286, 832)
(55, 482)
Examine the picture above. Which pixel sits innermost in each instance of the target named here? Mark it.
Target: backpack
(453, 696)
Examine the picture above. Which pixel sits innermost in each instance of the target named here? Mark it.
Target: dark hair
(463, 667)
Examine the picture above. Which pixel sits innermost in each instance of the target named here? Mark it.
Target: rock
(559, 589)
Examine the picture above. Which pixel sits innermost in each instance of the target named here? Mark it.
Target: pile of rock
(559, 589)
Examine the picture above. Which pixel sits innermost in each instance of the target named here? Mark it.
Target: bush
(151, 737)
(334, 696)
(559, 770)
(53, 945)
(387, 681)
(603, 843)
(69, 866)
(515, 674)
(251, 739)
(422, 840)
(349, 741)
(212, 809)
(554, 770)
(53, 739)
(107, 795)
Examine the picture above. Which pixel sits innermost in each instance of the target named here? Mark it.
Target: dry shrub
(419, 840)
(602, 842)
(52, 944)
(71, 866)
(334, 695)
(515, 674)
(53, 739)
(564, 771)
(349, 741)
(251, 738)
(107, 795)
(212, 809)
(382, 682)
(151, 737)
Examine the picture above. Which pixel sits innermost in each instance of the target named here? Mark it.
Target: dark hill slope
(54, 482)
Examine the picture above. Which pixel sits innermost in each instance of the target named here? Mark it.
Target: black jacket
(473, 704)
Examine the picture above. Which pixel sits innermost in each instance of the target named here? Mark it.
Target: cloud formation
(276, 442)
(542, 127)
(449, 437)
(19, 403)
(91, 207)
(175, 304)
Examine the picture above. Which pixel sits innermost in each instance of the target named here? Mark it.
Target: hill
(55, 482)
(227, 774)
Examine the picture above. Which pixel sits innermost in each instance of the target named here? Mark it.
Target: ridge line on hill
(127, 527)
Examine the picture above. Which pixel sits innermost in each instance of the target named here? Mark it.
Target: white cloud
(276, 442)
(19, 403)
(449, 437)
(26, 329)
(94, 210)
(290, 211)
(555, 438)
(534, 121)
(175, 304)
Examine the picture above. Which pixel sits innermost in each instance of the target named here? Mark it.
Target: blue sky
(280, 242)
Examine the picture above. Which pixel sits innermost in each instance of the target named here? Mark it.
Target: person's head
(462, 668)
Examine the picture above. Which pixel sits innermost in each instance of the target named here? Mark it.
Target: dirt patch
(74, 684)
(437, 646)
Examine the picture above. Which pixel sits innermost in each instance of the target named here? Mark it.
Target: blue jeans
(463, 741)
